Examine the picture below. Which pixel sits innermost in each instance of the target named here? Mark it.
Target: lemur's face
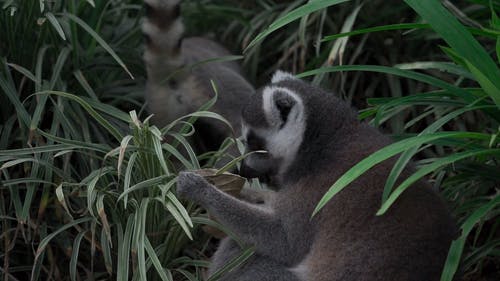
(274, 122)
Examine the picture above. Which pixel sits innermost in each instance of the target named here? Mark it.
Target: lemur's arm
(254, 224)
(255, 196)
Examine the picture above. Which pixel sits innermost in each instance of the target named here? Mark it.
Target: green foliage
(87, 190)
(87, 186)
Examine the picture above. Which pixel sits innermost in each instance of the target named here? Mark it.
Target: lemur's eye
(255, 142)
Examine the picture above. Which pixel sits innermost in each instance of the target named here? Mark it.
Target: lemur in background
(312, 138)
(173, 89)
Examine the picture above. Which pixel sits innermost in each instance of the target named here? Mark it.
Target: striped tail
(163, 32)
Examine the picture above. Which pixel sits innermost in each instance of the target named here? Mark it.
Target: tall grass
(86, 183)
(86, 188)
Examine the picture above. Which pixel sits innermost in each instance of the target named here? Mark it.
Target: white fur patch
(280, 75)
(301, 271)
(283, 141)
(244, 129)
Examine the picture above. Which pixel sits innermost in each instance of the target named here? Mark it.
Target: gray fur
(345, 240)
(174, 89)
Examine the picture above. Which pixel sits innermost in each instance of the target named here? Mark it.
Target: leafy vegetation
(86, 183)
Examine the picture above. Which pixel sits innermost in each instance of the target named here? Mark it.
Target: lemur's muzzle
(258, 165)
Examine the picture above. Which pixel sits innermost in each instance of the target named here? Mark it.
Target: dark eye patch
(255, 142)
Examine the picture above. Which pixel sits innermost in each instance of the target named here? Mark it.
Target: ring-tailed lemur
(312, 138)
(174, 89)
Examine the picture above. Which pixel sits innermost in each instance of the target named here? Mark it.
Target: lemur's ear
(281, 105)
(280, 75)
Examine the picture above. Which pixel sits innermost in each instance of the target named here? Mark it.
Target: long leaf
(429, 169)
(233, 263)
(464, 94)
(462, 42)
(105, 123)
(301, 11)
(156, 262)
(46, 240)
(100, 41)
(457, 246)
(384, 154)
(375, 29)
(406, 156)
(74, 256)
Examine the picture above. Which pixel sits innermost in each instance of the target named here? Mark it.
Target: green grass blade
(457, 246)
(217, 225)
(441, 66)
(101, 120)
(124, 251)
(338, 49)
(15, 162)
(24, 181)
(179, 218)
(76, 144)
(180, 207)
(24, 71)
(144, 184)
(189, 276)
(62, 200)
(58, 66)
(85, 84)
(37, 116)
(128, 176)
(108, 109)
(233, 263)
(156, 262)
(106, 251)
(11, 92)
(461, 41)
(429, 169)
(197, 114)
(45, 241)
(405, 157)
(384, 154)
(192, 155)
(186, 163)
(376, 29)
(157, 139)
(462, 93)
(99, 40)
(398, 167)
(74, 256)
(55, 23)
(121, 155)
(488, 85)
(39, 67)
(140, 238)
(291, 16)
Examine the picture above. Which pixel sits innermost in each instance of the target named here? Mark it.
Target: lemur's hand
(191, 185)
